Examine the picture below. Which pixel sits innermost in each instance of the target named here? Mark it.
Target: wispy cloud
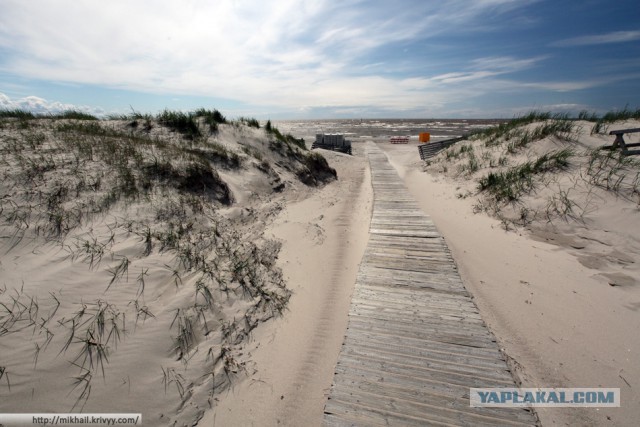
(281, 52)
(296, 55)
(483, 68)
(613, 37)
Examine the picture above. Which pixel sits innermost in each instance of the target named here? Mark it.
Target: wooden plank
(457, 401)
(441, 410)
(623, 131)
(415, 341)
(433, 350)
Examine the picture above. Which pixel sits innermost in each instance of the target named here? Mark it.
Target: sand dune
(135, 262)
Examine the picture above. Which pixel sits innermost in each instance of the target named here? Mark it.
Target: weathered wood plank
(415, 341)
(457, 401)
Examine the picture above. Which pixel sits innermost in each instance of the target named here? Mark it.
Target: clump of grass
(91, 128)
(613, 116)
(178, 121)
(504, 128)
(511, 184)
(169, 376)
(519, 137)
(561, 205)
(211, 118)
(218, 154)
(471, 166)
(316, 170)
(201, 178)
(186, 337)
(17, 114)
(28, 115)
(587, 116)
(75, 115)
(614, 172)
(285, 140)
(249, 121)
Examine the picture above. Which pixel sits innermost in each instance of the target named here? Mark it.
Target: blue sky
(321, 59)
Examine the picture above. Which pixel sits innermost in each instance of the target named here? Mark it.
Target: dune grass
(505, 128)
(249, 121)
(69, 177)
(602, 122)
(615, 173)
(17, 114)
(518, 135)
(178, 121)
(511, 184)
(28, 115)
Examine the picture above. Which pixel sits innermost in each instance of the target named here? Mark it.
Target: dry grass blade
(82, 381)
(118, 271)
(5, 374)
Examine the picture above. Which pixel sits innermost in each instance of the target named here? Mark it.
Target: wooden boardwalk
(415, 342)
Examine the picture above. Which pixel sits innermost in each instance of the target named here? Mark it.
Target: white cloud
(613, 37)
(41, 106)
(280, 52)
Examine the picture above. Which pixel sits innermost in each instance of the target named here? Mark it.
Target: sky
(305, 59)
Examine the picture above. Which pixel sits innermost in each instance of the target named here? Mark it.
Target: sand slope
(323, 239)
(134, 261)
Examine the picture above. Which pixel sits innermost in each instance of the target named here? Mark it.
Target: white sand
(323, 239)
(137, 319)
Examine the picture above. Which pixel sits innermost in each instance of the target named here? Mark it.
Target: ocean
(360, 130)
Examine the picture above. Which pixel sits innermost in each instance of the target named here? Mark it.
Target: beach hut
(335, 142)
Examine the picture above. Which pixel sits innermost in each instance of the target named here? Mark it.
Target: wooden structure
(399, 140)
(620, 142)
(335, 142)
(433, 148)
(415, 342)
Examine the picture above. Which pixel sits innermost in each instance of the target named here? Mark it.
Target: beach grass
(511, 184)
(181, 122)
(84, 185)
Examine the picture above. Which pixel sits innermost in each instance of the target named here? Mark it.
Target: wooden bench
(619, 141)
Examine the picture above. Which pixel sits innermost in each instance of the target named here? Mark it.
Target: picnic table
(620, 142)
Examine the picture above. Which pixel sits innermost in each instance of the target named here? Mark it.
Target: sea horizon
(382, 129)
